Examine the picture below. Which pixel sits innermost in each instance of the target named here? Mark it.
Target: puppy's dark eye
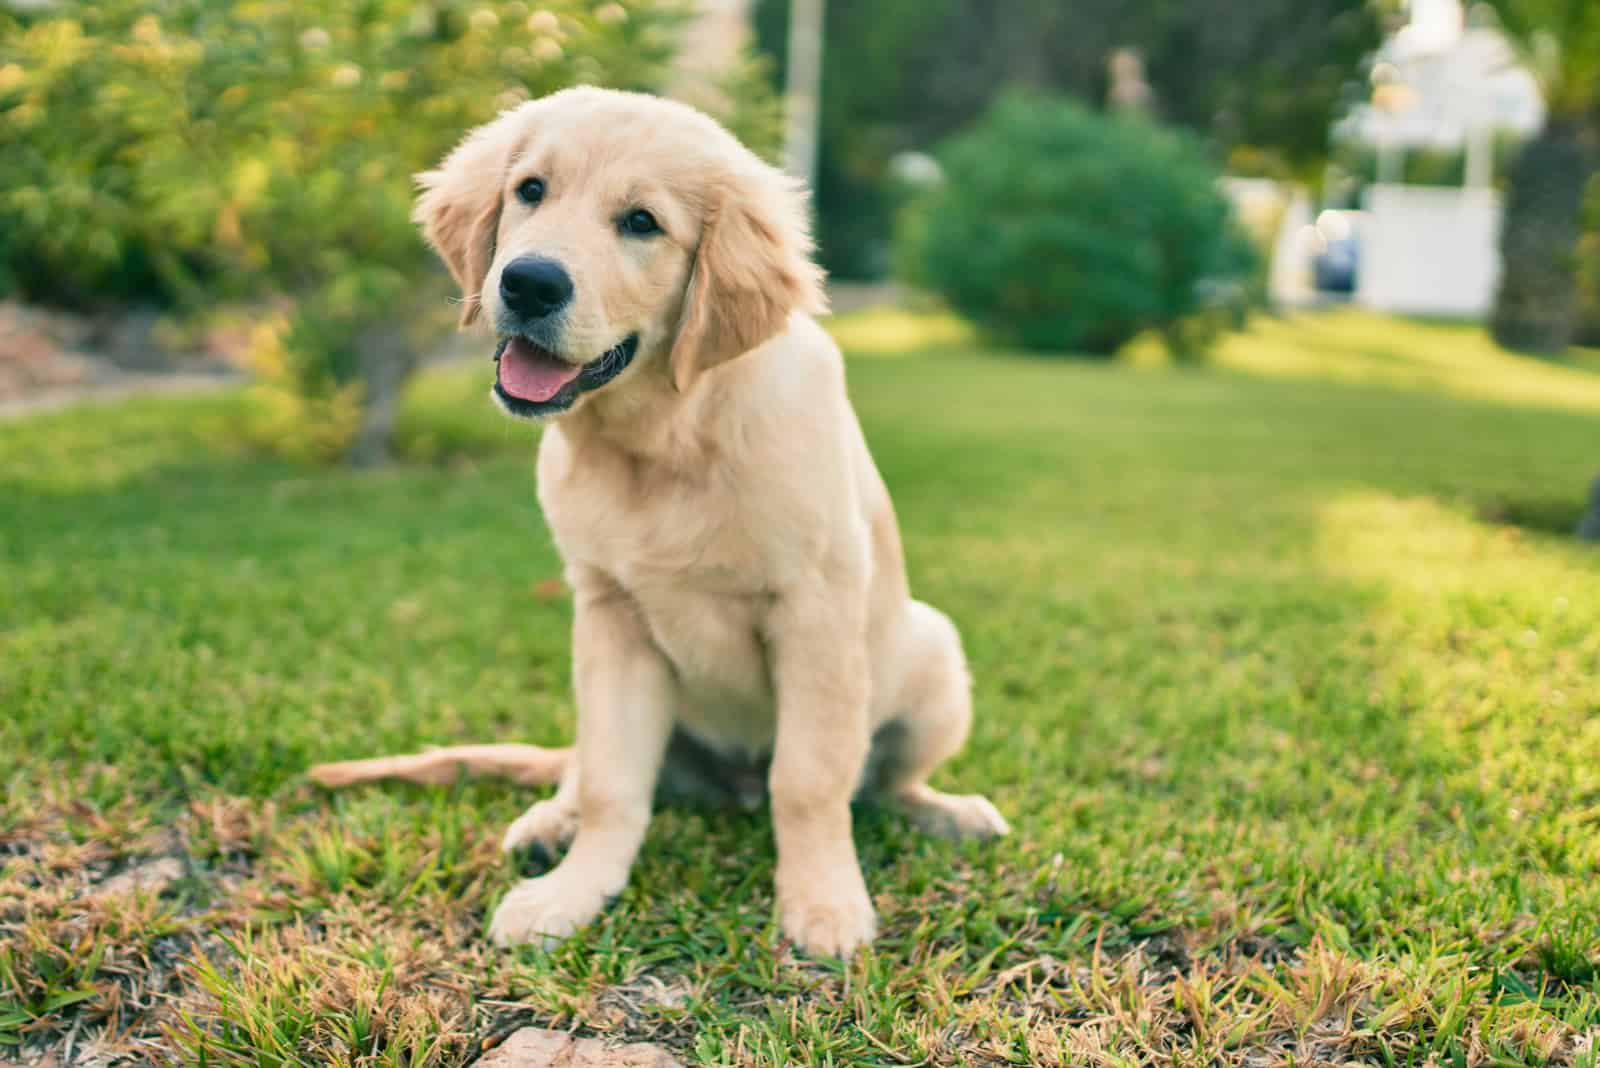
(531, 191)
(640, 223)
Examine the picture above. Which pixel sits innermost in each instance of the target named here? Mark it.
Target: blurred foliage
(172, 149)
(185, 152)
(1061, 228)
(1422, 165)
(902, 74)
(1560, 42)
(879, 96)
(305, 413)
(745, 100)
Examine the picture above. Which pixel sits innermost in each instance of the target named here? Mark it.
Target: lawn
(1287, 679)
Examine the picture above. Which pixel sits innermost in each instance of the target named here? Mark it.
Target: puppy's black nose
(535, 287)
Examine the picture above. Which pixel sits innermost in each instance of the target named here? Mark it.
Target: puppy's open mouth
(532, 381)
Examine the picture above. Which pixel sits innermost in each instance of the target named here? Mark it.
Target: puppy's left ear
(753, 269)
(459, 206)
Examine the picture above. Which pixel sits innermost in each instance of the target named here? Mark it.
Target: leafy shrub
(1061, 228)
(183, 152)
(165, 149)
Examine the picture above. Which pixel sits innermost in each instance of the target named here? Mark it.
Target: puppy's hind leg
(527, 765)
(935, 699)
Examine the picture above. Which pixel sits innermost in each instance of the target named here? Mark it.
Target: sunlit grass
(1362, 348)
(890, 331)
(1286, 677)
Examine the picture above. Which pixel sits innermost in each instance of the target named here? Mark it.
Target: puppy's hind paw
(953, 815)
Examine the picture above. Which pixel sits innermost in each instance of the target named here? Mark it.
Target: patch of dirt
(151, 877)
(50, 358)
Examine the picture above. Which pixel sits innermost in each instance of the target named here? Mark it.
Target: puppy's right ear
(459, 206)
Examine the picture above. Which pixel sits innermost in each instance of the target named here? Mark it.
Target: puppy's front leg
(624, 690)
(820, 673)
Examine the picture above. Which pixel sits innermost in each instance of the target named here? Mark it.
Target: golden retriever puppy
(743, 626)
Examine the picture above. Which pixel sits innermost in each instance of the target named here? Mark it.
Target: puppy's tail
(529, 765)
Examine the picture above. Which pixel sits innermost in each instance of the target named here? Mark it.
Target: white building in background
(1448, 80)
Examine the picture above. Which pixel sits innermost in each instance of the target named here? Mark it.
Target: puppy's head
(600, 233)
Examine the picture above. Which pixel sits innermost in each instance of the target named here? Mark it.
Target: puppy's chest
(685, 554)
(648, 534)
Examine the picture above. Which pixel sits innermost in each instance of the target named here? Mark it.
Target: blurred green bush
(187, 152)
(1061, 228)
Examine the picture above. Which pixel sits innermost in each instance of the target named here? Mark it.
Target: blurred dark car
(1334, 271)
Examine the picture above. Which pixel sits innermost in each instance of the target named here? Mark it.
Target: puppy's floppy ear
(752, 269)
(459, 206)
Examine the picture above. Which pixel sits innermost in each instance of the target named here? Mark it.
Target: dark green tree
(1537, 307)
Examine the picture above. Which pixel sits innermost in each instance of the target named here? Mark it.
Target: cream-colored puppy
(743, 624)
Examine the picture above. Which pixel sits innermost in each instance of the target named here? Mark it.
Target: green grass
(1286, 678)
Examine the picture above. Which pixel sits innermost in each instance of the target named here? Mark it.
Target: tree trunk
(1589, 269)
(1589, 525)
(387, 360)
(1536, 310)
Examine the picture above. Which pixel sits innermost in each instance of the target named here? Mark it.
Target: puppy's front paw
(544, 912)
(829, 920)
(548, 826)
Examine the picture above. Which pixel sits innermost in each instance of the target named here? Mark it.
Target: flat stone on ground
(151, 877)
(535, 1047)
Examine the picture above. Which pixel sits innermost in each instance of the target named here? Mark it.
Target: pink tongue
(531, 374)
